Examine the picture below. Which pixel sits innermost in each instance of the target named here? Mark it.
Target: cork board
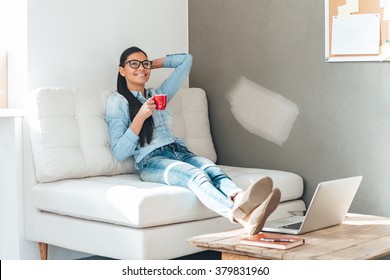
(366, 7)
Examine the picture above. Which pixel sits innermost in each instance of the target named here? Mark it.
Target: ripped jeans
(174, 165)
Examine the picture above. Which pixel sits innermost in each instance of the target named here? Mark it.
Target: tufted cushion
(191, 121)
(70, 136)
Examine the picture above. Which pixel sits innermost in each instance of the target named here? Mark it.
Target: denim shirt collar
(139, 95)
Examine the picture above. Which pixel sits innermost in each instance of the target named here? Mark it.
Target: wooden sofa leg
(43, 250)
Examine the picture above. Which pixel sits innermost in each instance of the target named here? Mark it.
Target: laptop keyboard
(293, 226)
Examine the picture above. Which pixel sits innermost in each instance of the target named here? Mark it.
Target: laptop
(327, 208)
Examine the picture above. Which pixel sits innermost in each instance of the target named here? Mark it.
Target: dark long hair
(146, 132)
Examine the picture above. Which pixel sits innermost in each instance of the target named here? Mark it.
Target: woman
(137, 129)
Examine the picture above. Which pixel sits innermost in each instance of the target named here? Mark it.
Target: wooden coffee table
(358, 237)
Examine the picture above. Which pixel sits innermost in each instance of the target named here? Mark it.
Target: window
(13, 53)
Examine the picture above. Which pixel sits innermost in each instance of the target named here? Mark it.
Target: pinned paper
(386, 12)
(353, 6)
(359, 34)
(384, 51)
(344, 12)
(385, 5)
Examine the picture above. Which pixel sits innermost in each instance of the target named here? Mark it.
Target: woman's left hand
(147, 109)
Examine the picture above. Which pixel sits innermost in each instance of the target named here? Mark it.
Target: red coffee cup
(161, 101)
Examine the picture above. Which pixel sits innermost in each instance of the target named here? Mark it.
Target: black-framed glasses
(135, 64)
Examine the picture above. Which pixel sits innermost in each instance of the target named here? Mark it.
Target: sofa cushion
(191, 121)
(290, 184)
(125, 200)
(70, 136)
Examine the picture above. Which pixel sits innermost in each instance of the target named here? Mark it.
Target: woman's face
(135, 78)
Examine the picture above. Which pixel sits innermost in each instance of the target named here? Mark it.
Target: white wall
(343, 128)
(76, 43)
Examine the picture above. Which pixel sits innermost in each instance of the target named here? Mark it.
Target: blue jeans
(174, 165)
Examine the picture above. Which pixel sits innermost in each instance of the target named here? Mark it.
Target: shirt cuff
(171, 60)
(133, 138)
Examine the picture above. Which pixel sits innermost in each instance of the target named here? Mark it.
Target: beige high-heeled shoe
(248, 200)
(258, 217)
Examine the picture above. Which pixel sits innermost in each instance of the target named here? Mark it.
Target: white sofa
(78, 197)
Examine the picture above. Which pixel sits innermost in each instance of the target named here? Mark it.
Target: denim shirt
(124, 142)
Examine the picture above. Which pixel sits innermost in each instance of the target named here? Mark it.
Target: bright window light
(13, 53)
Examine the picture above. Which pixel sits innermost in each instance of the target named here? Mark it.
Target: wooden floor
(205, 255)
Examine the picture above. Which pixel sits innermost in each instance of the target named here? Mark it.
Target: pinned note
(384, 51)
(385, 5)
(386, 13)
(344, 11)
(353, 6)
(359, 34)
